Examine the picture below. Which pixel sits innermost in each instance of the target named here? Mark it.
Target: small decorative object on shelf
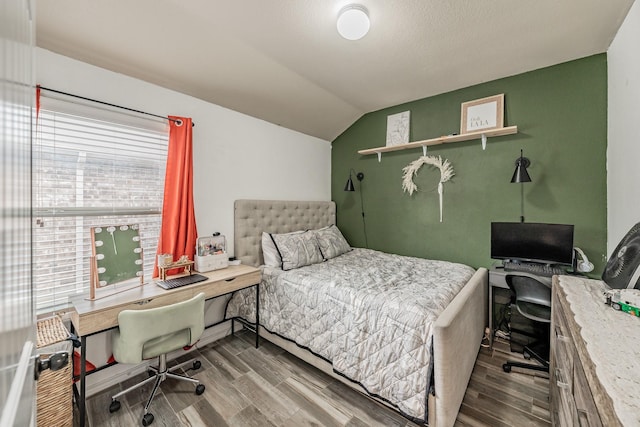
(182, 262)
(446, 172)
(482, 114)
(398, 128)
(480, 119)
(164, 259)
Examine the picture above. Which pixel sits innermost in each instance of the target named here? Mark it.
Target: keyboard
(181, 281)
(533, 268)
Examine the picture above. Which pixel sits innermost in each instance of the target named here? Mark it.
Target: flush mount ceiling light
(353, 22)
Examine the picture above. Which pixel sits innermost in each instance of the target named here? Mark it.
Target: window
(90, 171)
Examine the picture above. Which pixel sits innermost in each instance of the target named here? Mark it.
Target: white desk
(92, 317)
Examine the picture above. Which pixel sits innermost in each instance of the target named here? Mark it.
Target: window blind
(89, 172)
(17, 316)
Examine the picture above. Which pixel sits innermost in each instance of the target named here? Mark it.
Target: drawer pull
(559, 335)
(147, 301)
(583, 418)
(230, 280)
(561, 384)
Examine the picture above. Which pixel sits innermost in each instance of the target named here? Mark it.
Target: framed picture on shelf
(482, 114)
(398, 128)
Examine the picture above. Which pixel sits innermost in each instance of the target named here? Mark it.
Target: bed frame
(458, 331)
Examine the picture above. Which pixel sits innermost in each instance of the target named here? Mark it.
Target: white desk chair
(145, 334)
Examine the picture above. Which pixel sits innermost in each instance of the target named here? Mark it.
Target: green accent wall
(561, 114)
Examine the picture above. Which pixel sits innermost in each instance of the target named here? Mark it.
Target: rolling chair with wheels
(145, 334)
(533, 301)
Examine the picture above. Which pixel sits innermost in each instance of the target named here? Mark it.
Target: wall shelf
(482, 135)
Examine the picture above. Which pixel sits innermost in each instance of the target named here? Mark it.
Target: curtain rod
(111, 105)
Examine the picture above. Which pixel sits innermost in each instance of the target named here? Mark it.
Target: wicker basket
(54, 388)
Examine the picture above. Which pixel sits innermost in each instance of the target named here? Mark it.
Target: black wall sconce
(521, 175)
(349, 187)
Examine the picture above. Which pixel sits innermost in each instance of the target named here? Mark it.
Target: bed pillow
(297, 249)
(270, 253)
(331, 242)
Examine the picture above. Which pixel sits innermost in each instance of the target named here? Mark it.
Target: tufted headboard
(252, 217)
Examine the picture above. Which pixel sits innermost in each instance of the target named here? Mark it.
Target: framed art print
(398, 128)
(482, 114)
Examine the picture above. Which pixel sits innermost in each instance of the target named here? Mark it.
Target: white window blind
(90, 172)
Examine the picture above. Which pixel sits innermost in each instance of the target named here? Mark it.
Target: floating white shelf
(482, 135)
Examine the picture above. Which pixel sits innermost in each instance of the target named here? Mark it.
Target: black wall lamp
(349, 187)
(520, 175)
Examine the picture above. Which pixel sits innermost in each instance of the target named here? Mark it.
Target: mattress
(370, 314)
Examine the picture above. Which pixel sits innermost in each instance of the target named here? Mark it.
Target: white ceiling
(283, 60)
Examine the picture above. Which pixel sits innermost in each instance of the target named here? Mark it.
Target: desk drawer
(564, 350)
(222, 287)
(566, 404)
(585, 405)
(107, 318)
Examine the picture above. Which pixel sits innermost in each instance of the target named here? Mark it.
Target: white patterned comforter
(369, 313)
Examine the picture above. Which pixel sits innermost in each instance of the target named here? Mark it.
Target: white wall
(623, 152)
(235, 156)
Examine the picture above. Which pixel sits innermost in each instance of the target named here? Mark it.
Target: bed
(416, 361)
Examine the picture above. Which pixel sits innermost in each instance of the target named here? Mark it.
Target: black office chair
(533, 301)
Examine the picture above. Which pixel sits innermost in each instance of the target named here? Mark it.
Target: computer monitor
(532, 242)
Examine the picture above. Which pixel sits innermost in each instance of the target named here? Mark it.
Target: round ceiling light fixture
(353, 22)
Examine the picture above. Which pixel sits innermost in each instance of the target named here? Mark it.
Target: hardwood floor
(499, 399)
(262, 387)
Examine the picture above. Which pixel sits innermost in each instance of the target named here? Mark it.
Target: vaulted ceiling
(283, 61)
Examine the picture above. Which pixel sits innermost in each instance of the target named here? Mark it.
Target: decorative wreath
(411, 170)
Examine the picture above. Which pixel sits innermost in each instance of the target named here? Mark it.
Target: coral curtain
(178, 233)
(37, 102)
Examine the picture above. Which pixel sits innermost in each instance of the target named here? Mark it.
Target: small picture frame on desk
(482, 114)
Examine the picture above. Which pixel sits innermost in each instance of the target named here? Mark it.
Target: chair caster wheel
(114, 406)
(526, 355)
(196, 364)
(199, 389)
(506, 368)
(150, 373)
(147, 419)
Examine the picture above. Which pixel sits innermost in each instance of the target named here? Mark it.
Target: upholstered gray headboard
(252, 217)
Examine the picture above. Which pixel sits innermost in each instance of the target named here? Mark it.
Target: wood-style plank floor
(499, 399)
(268, 387)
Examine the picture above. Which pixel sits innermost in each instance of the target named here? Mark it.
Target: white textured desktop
(612, 339)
